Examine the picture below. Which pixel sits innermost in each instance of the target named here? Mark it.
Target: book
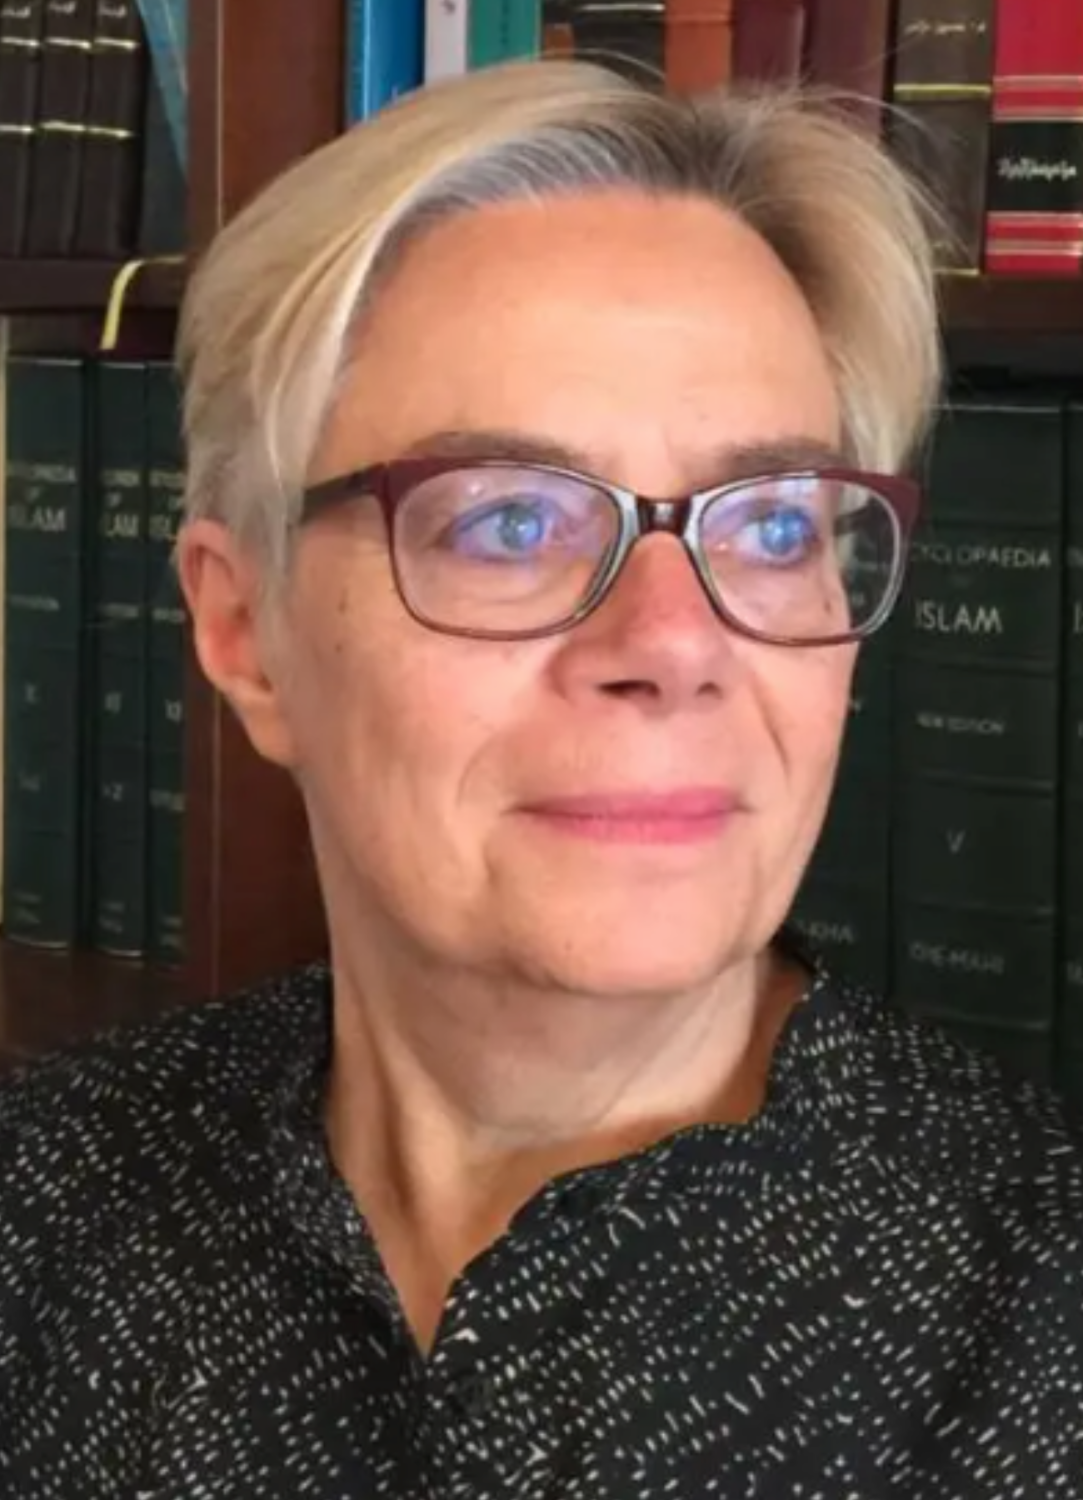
(628, 36)
(1034, 215)
(698, 44)
(117, 662)
(769, 39)
(943, 86)
(843, 905)
(500, 30)
(21, 23)
(45, 525)
(975, 846)
(385, 53)
(165, 778)
(63, 101)
(847, 49)
(1070, 1013)
(109, 187)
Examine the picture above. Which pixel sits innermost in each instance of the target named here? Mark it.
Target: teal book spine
(501, 30)
(45, 529)
(166, 670)
(117, 652)
(977, 708)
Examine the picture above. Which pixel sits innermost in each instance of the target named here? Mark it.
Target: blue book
(166, 25)
(385, 53)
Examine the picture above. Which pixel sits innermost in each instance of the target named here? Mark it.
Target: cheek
(378, 699)
(804, 696)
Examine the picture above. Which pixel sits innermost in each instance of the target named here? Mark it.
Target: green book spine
(975, 850)
(503, 29)
(843, 904)
(168, 646)
(44, 600)
(118, 655)
(1070, 1019)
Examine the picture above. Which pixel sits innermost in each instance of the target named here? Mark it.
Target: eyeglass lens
(508, 548)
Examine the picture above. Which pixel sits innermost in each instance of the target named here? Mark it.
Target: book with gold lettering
(56, 166)
(942, 90)
(1034, 221)
(977, 749)
(45, 522)
(117, 661)
(21, 23)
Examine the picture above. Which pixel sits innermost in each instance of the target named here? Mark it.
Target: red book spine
(1034, 217)
(768, 39)
(699, 44)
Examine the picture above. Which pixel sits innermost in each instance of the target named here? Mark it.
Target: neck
(453, 1099)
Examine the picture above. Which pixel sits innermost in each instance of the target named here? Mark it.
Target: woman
(543, 441)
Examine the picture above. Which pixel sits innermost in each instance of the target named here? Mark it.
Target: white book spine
(447, 25)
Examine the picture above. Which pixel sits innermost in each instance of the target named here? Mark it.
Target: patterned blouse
(874, 1289)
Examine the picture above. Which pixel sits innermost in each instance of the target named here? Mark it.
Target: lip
(682, 815)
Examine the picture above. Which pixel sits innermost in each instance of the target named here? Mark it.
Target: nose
(655, 639)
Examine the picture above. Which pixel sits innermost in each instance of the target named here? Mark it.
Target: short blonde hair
(266, 326)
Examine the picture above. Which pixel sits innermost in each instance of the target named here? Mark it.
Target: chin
(638, 956)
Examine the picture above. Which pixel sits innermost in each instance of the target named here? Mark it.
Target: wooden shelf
(1005, 305)
(50, 999)
(1015, 326)
(83, 286)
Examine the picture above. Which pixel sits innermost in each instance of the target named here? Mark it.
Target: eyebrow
(724, 462)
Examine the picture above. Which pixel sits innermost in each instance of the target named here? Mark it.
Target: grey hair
(266, 327)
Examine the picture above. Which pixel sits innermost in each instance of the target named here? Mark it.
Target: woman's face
(626, 807)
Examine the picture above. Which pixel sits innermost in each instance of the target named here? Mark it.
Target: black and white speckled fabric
(875, 1289)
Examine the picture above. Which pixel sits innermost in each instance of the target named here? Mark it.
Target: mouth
(686, 815)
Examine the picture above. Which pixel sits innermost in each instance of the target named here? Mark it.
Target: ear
(221, 584)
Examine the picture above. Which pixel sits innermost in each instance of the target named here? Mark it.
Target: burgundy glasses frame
(390, 483)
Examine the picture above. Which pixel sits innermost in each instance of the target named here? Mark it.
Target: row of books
(92, 158)
(94, 650)
(950, 872)
(983, 98)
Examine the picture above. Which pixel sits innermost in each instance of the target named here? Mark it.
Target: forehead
(636, 330)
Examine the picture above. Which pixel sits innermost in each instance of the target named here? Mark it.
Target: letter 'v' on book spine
(1034, 222)
(44, 627)
(975, 877)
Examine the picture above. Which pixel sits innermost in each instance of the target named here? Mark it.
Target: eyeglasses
(501, 550)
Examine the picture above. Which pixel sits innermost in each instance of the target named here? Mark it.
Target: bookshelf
(265, 88)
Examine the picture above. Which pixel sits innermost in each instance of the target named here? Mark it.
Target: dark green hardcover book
(843, 906)
(117, 648)
(44, 625)
(1069, 1038)
(168, 648)
(975, 888)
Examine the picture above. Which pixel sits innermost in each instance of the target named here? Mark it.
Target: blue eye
(506, 531)
(785, 534)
